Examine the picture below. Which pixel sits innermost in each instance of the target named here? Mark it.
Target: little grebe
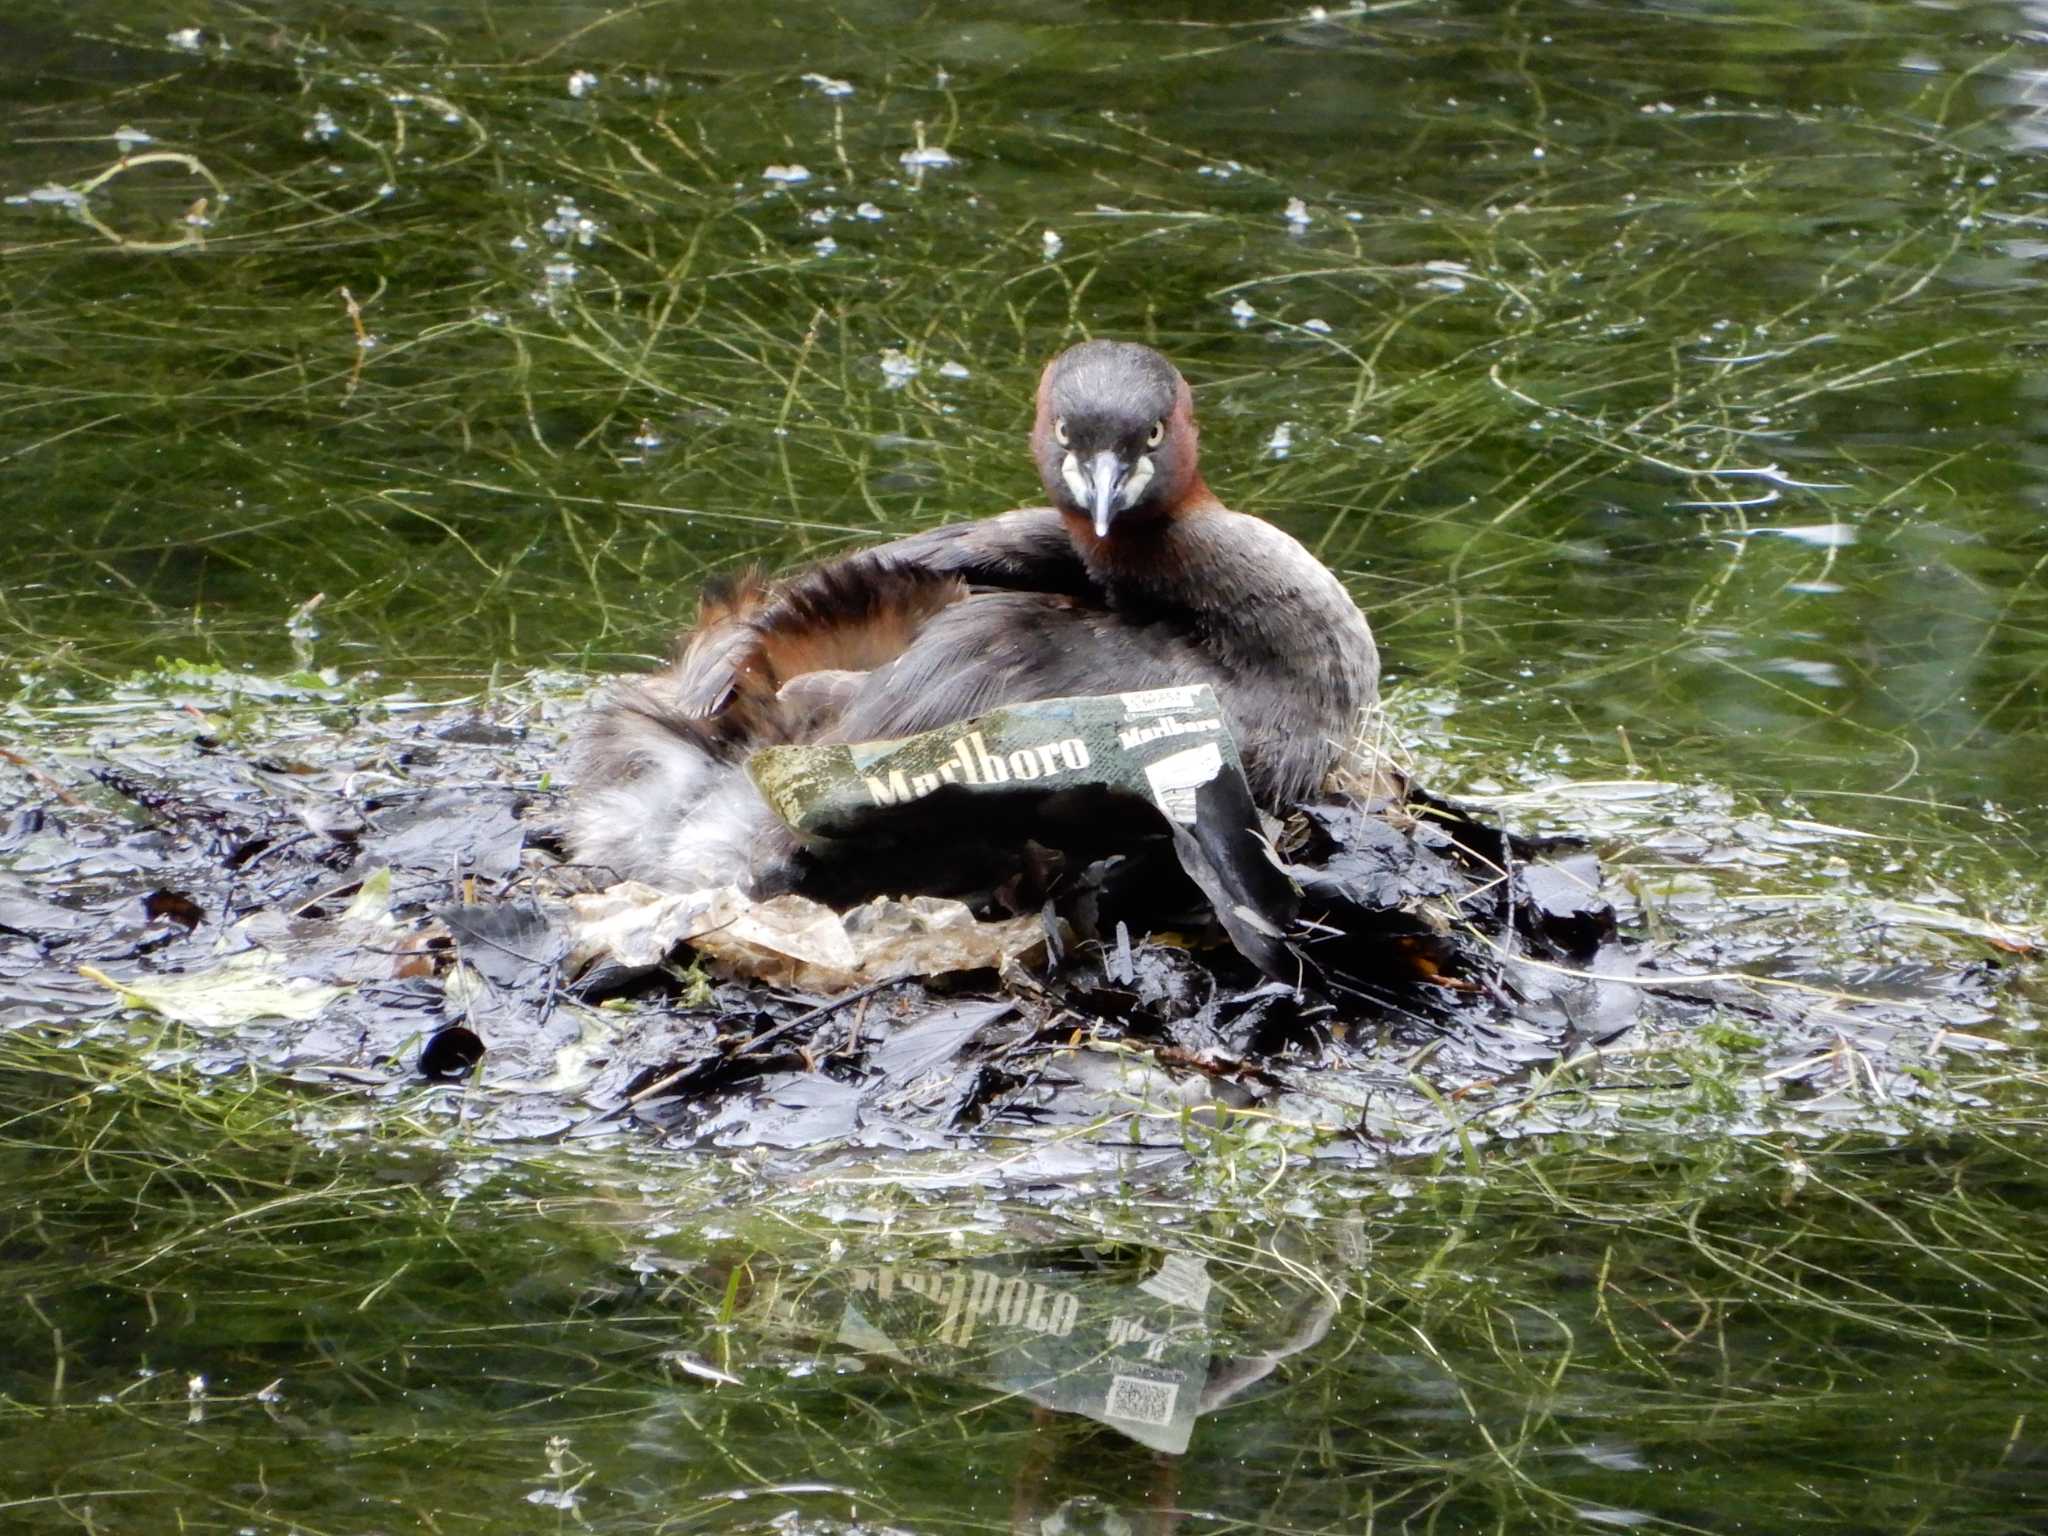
(1135, 577)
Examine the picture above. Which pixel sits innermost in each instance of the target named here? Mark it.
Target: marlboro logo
(969, 1297)
(972, 763)
(1138, 735)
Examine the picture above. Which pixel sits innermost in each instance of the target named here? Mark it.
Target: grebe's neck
(1162, 551)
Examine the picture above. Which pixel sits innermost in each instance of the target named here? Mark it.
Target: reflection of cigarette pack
(1134, 1356)
(1161, 745)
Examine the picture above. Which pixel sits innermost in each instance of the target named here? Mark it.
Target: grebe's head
(1115, 436)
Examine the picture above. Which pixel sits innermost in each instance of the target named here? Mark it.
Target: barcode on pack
(1141, 1401)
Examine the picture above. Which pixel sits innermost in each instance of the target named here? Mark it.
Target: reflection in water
(221, 1320)
(1131, 1346)
(1132, 1356)
(1132, 1339)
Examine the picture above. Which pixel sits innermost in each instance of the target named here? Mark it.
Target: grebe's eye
(1157, 435)
(1059, 430)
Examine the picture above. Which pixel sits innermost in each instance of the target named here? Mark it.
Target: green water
(1664, 378)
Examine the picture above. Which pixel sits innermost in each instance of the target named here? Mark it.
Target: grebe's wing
(848, 615)
(860, 610)
(1028, 550)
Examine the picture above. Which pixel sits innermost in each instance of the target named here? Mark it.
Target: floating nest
(368, 892)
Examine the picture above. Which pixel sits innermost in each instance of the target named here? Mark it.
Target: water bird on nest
(1135, 576)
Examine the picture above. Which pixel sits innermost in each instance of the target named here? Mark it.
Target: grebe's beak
(1105, 477)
